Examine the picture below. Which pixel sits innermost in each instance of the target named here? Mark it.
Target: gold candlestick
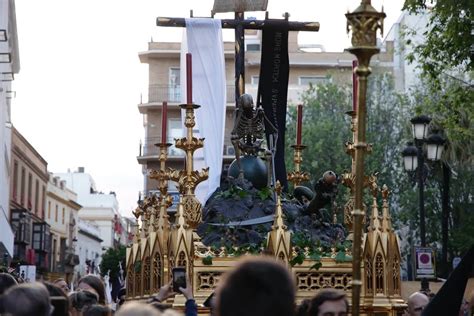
(188, 179)
(297, 176)
(364, 23)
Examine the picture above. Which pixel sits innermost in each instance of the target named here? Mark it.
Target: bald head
(416, 303)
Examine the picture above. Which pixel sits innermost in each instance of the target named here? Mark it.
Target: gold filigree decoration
(379, 274)
(156, 272)
(146, 276)
(192, 210)
(207, 280)
(308, 281)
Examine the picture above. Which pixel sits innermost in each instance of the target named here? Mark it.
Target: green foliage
(234, 192)
(207, 261)
(111, 259)
(265, 193)
(449, 38)
(326, 129)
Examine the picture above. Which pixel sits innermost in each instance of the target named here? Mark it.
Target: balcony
(172, 94)
(149, 148)
(149, 151)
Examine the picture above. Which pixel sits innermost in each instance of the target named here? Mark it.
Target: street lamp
(413, 158)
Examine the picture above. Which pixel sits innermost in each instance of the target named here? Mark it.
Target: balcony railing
(172, 93)
(148, 148)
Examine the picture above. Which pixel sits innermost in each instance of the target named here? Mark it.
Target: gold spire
(279, 237)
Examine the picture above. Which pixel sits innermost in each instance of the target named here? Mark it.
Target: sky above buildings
(81, 79)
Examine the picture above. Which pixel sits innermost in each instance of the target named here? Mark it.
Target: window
(22, 193)
(15, 179)
(30, 189)
(175, 130)
(255, 80)
(253, 47)
(43, 201)
(174, 90)
(37, 209)
(307, 80)
(64, 215)
(49, 209)
(56, 214)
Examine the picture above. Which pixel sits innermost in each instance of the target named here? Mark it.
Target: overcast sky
(81, 79)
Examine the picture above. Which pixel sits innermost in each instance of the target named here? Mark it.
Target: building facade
(97, 207)
(9, 66)
(29, 178)
(406, 73)
(89, 247)
(62, 214)
(309, 64)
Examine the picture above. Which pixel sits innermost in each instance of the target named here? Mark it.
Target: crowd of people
(257, 286)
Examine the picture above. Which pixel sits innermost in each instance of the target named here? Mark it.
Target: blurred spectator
(6, 281)
(27, 299)
(62, 284)
(93, 284)
(58, 299)
(97, 310)
(137, 309)
(303, 308)
(329, 302)
(78, 301)
(416, 303)
(257, 286)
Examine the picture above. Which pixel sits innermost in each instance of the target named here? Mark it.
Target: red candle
(189, 78)
(299, 123)
(355, 84)
(164, 121)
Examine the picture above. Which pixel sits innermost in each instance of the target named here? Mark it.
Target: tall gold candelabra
(188, 179)
(364, 23)
(297, 176)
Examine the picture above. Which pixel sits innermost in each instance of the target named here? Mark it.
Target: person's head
(27, 299)
(6, 282)
(62, 284)
(416, 303)
(257, 286)
(97, 310)
(93, 284)
(58, 299)
(329, 302)
(137, 309)
(303, 307)
(80, 300)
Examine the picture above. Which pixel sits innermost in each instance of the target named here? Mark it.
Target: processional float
(371, 277)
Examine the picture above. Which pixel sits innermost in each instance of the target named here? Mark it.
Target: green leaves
(448, 40)
(207, 261)
(111, 259)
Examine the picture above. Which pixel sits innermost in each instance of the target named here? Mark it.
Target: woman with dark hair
(79, 301)
(93, 284)
(58, 299)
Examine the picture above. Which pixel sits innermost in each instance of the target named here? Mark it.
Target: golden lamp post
(364, 22)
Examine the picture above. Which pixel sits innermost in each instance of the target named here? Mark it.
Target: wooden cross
(239, 24)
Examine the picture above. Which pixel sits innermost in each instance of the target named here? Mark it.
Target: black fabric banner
(273, 88)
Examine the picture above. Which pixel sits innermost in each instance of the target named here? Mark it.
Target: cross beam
(239, 24)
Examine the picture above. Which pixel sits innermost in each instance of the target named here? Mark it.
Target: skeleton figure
(249, 128)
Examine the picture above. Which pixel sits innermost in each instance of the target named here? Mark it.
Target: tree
(449, 41)
(326, 128)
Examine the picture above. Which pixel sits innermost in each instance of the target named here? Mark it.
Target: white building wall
(88, 248)
(97, 207)
(406, 74)
(8, 24)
